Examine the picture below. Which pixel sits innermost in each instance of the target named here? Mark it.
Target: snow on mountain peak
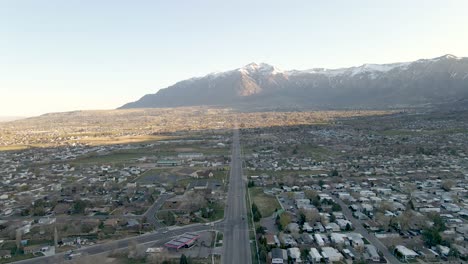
(259, 68)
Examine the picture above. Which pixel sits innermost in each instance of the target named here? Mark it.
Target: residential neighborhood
(396, 193)
(387, 188)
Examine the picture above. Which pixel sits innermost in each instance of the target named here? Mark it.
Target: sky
(70, 55)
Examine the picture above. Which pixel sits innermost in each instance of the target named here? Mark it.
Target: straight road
(120, 244)
(236, 242)
(236, 246)
(358, 227)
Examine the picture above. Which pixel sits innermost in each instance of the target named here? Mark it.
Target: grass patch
(218, 211)
(17, 258)
(314, 151)
(267, 204)
(13, 147)
(219, 239)
(168, 217)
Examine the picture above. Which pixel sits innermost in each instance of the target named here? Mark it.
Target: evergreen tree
(183, 259)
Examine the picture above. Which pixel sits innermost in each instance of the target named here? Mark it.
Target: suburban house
(405, 253)
(278, 256)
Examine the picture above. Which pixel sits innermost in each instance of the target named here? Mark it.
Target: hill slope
(419, 83)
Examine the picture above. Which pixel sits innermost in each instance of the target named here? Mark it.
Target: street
(120, 244)
(236, 240)
(359, 228)
(150, 214)
(236, 245)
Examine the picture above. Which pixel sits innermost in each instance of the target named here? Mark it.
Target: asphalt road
(236, 242)
(359, 228)
(151, 212)
(162, 234)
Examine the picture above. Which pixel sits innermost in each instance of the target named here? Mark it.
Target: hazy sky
(58, 55)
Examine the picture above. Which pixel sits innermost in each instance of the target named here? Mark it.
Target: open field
(267, 204)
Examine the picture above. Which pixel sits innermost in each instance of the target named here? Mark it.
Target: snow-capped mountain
(422, 82)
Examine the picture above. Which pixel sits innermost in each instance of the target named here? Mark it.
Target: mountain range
(424, 82)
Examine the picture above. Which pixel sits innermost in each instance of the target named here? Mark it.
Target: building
(315, 256)
(319, 240)
(331, 254)
(356, 240)
(405, 253)
(306, 227)
(186, 240)
(295, 254)
(168, 163)
(337, 238)
(372, 254)
(189, 155)
(5, 254)
(199, 185)
(32, 249)
(278, 256)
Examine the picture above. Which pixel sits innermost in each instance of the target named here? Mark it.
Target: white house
(405, 253)
(278, 256)
(331, 254)
(295, 254)
(315, 256)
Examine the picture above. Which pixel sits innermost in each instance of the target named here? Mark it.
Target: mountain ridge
(392, 85)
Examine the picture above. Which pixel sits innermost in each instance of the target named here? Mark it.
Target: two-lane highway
(236, 229)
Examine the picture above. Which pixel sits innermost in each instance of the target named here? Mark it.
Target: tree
(348, 227)
(79, 207)
(311, 215)
(39, 210)
(256, 213)
(447, 185)
(321, 183)
(310, 194)
(260, 230)
(334, 173)
(336, 207)
(167, 217)
(439, 223)
(332, 218)
(305, 253)
(183, 259)
(302, 218)
(263, 255)
(431, 237)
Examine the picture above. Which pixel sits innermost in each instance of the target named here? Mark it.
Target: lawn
(17, 258)
(267, 204)
(218, 211)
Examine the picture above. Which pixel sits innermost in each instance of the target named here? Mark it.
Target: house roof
(182, 240)
(277, 253)
(406, 251)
